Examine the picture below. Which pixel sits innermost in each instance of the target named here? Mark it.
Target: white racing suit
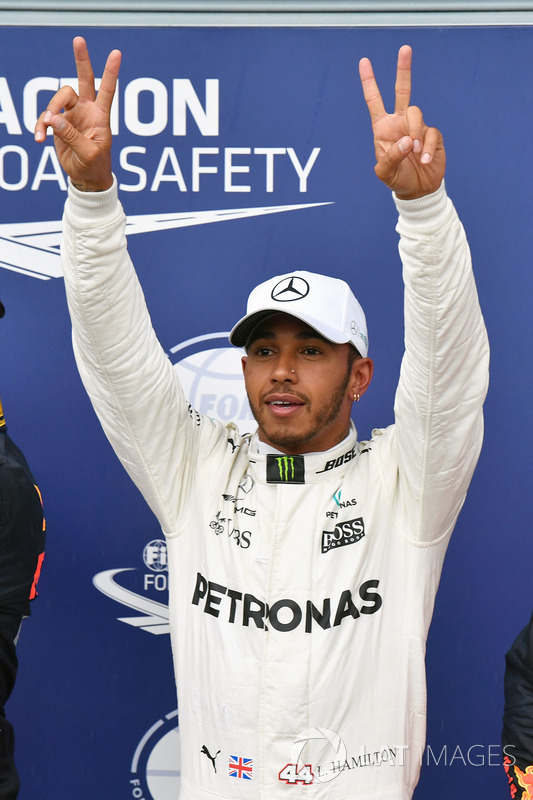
(301, 588)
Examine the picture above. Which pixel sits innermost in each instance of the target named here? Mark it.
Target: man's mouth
(284, 406)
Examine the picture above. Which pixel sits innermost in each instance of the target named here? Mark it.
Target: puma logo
(211, 758)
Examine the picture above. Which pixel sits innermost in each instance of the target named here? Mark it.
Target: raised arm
(438, 409)
(128, 377)
(80, 122)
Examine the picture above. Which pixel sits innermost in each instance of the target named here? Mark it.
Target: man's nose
(284, 370)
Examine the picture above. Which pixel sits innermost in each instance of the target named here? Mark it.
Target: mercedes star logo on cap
(293, 288)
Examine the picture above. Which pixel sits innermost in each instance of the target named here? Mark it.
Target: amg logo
(345, 533)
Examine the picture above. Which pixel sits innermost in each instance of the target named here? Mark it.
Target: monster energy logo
(285, 469)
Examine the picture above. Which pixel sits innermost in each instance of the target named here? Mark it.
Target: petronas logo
(285, 469)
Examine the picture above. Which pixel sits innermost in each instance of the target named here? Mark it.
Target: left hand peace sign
(410, 156)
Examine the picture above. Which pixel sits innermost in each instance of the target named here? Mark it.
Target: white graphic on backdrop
(156, 764)
(212, 379)
(32, 248)
(155, 614)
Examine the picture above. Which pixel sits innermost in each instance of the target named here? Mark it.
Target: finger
(431, 141)
(371, 92)
(387, 165)
(108, 83)
(65, 98)
(415, 127)
(403, 79)
(68, 134)
(84, 69)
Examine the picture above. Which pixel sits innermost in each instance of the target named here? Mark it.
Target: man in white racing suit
(303, 564)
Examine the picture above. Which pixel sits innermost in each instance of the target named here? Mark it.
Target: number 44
(291, 774)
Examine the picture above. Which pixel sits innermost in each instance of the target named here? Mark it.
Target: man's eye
(311, 351)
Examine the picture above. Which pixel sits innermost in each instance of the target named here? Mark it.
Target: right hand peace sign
(82, 132)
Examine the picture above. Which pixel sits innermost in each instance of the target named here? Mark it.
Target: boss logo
(345, 533)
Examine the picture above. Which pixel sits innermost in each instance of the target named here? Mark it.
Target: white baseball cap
(326, 304)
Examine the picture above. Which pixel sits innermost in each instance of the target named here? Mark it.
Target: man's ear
(244, 359)
(362, 371)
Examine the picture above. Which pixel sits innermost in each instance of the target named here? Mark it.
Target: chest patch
(285, 469)
(344, 533)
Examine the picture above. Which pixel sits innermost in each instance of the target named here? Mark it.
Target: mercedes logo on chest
(293, 288)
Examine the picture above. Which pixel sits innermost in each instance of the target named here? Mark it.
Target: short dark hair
(353, 355)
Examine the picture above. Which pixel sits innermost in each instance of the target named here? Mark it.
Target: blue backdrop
(274, 119)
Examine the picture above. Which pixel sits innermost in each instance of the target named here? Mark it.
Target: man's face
(299, 385)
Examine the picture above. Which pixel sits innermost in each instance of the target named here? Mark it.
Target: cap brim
(240, 334)
(242, 331)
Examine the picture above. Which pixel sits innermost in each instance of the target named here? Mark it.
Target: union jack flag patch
(240, 767)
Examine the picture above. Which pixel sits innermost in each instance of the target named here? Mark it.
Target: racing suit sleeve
(129, 379)
(438, 427)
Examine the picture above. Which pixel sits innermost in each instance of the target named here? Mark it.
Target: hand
(82, 133)
(410, 156)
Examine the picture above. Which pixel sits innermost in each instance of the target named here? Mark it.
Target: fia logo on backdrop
(155, 767)
(210, 372)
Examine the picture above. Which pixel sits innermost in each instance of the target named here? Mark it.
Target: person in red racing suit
(517, 735)
(22, 539)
